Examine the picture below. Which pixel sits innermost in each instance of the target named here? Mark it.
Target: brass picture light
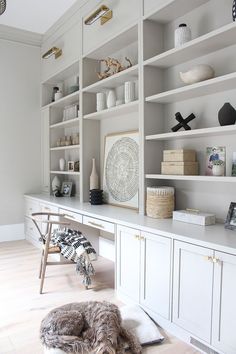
(53, 51)
(103, 12)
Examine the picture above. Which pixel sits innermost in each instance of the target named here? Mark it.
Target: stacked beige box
(179, 162)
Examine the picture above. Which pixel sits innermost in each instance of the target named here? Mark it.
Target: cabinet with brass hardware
(99, 224)
(144, 269)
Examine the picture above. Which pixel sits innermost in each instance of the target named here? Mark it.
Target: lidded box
(179, 168)
(181, 155)
(160, 202)
(194, 217)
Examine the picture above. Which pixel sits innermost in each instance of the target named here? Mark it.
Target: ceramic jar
(62, 163)
(227, 114)
(129, 91)
(111, 99)
(218, 170)
(101, 101)
(93, 176)
(58, 95)
(182, 35)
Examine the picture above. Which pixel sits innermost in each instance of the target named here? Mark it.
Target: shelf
(66, 123)
(195, 133)
(62, 75)
(114, 81)
(69, 99)
(207, 87)
(208, 43)
(192, 178)
(114, 111)
(65, 173)
(124, 38)
(173, 9)
(70, 147)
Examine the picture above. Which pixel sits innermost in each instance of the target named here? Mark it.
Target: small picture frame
(230, 222)
(66, 189)
(76, 166)
(234, 165)
(71, 166)
(215, 160)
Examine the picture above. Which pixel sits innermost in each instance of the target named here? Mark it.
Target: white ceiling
(34, 15)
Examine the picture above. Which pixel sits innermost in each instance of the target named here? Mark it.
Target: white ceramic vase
(101, 101)
(58, 95)
(182, 35)
(218, 170)
(56, 184)
(62, 163)
(129, 91)
(94, 176)
(111, 99)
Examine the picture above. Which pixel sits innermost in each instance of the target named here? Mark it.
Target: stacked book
(179, 162)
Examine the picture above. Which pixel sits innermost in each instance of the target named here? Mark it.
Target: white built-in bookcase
(149, 43)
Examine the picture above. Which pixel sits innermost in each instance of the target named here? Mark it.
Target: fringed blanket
(75, 247)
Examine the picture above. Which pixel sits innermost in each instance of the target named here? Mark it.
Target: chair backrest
(37, 220)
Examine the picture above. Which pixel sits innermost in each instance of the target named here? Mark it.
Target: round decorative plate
(121, 170)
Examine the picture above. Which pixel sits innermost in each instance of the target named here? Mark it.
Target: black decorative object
(234, 10)
(183, 123)
(96, 196)
(227, 115)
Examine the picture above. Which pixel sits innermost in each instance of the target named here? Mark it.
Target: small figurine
(113, 66)
(183, 123)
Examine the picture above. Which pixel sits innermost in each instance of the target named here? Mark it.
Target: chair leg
(41, 265)
(44, 264)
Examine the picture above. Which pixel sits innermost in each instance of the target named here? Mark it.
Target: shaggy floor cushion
(136, 321)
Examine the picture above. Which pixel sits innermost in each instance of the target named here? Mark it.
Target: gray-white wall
(19, 131)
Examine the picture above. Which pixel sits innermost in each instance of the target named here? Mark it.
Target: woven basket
(160, 202)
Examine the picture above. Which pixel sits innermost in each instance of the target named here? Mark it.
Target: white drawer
(70, 215)
(99, 224)
(31, 206)
(47, 208)
(30, 229)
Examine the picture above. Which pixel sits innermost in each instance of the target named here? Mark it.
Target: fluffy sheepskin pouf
(86, 327)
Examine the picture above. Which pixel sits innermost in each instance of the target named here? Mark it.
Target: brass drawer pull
(96, 225)
(208, 258)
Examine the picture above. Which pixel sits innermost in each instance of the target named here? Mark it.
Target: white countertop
(214, 236)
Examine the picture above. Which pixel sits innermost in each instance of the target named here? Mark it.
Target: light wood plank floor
(22, 308)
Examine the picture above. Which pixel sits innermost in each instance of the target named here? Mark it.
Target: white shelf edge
(167, 7)
(109, 39)
(163, 97)
(65, 173)
(221, 130)
(102, 83)
(223, 179)
(62, 100)
(106, 112)
(70, 147)
(46, 81)
(195, 42)
(65, 123)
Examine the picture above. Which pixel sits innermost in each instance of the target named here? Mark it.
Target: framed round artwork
(121, 169)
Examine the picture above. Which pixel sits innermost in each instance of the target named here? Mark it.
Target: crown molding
(21, 36)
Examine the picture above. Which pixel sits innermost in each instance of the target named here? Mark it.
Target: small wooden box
(179, 155)
(179, 168)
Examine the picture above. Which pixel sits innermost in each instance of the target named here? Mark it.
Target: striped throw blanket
(75, 247)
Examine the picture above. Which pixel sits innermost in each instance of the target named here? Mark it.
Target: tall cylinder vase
(182, 35)
(129, 91)
(94, 176)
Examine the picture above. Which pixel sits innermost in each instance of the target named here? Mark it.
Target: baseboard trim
(12, 232)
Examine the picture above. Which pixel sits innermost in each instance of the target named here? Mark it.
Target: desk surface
(214, 236)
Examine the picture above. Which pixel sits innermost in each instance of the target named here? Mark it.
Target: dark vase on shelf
(227, 114)
(234, 10)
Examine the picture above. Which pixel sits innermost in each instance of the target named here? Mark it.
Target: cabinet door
(192, 289)
(156, 273)
(128, 262)
(45, 150)
(224, 304)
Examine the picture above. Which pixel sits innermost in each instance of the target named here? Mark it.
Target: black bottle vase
(227, 114)
(234, 10)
